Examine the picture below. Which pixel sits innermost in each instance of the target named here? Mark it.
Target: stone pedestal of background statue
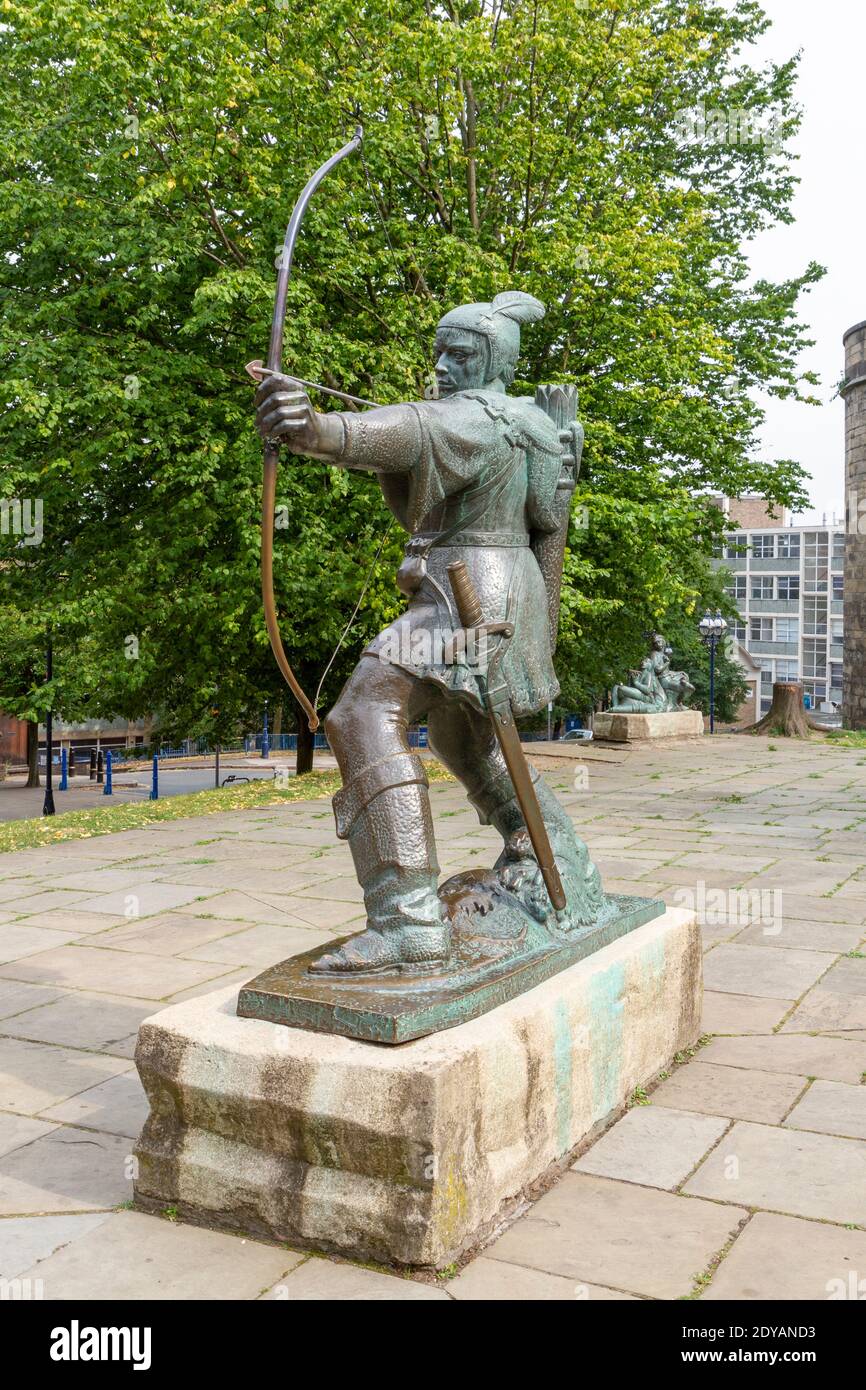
(405, 1154)
(639, 728)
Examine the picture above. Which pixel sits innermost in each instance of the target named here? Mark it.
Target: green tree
(150, 156)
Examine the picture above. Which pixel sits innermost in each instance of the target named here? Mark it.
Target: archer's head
(477, 345)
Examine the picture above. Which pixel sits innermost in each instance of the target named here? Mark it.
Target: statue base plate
(497, 957)
(639, 728)
(407, 1155)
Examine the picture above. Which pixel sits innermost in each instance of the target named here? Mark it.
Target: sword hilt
(468, 603)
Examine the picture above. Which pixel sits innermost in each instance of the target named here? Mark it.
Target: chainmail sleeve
(384, 440)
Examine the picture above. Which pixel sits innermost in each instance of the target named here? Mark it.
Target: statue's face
(461, 360)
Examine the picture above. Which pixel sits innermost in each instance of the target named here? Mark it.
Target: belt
(425, 540)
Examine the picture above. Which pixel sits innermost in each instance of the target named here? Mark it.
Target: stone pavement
(741, 1175)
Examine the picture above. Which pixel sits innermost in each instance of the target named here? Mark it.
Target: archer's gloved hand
(284, 412)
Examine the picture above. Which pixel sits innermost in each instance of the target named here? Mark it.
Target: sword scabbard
(498, 704)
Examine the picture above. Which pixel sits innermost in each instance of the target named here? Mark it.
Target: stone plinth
(406, 1154)
(638, 728)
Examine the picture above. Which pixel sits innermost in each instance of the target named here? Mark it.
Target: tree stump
(786, 717)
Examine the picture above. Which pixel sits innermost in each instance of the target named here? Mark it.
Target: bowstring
(344, 634)
(374, 562)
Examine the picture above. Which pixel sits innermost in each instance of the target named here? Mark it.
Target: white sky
(830, 227)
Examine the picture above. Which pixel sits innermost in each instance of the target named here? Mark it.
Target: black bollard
(99, 774)
(93, 764)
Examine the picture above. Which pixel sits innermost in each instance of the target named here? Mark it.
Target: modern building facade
(788, 585)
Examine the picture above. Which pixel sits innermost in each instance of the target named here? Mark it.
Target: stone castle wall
(854, 655)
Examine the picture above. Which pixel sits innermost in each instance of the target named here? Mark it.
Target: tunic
(471, 477)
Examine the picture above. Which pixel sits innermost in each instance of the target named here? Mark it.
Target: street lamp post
(48, 804)
(712, 628)
(266, 747)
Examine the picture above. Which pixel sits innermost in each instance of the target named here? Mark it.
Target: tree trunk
(306, 743)
(32, 753)
(786, 717)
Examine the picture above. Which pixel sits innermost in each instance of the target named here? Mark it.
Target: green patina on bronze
(654, 688)
(482, 482)
(485, 972)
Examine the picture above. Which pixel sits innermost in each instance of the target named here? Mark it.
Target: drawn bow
(271, 452)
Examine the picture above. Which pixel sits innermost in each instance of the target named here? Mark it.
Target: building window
(789, 586)
(766, 675)
(737, 588)
(814, 657)
(814, 616)
(817, 569)
(787, 629)
(835, 675)
(787, 671)
(761, 629)
(836, 630)
(762, 586)
(816, 690)
(740, 631)
(736, 545)
(838, 586)
(838, 549)
(764, 545)
(789, 546)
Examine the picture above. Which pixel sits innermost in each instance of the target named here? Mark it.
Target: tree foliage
(151, 153)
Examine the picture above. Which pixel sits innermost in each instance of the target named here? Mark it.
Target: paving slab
(66, 1170)
(42, 902)
(739, 1094)
(18, 1130)
(33, 1075)
(170, 934)
(76, 923)
(246, 908)
(801, 934)
(735, 969)
(16, 997)
(783, 1258)
(96, 1022)
(132, 1256)
(742, 1013)
(620, 1236)
(831, 1059)
(494, 1281)
(824, 1010)
(831, 1107)
(129, 973)
(798, 1173)
(145, 899)
(116, 1106)
(260, 946)
(18, 941)
(25, 1240)
(652, 1145)
(322, 1280)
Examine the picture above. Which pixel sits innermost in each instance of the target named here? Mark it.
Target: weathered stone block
(636, 728)
(407, 1154)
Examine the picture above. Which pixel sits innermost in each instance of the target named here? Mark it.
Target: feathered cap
(499, 323)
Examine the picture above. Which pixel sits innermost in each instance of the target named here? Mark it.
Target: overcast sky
(830, 225)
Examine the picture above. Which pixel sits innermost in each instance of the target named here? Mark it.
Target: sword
(497, 701)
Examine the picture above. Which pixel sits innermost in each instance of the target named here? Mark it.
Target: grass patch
(108, 820)
(848, 738)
